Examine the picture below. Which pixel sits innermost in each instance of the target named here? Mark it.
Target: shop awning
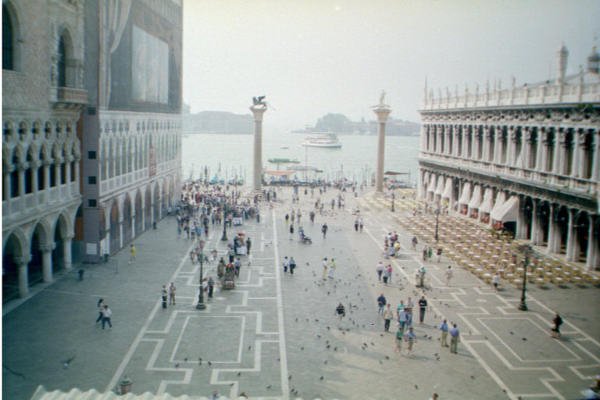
(508, 212)
(476, 198)
(500, 200)
(448, 189)
(440, 186)
(488, 201)
(466, 194)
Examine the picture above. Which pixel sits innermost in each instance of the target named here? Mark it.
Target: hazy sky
(311, 57)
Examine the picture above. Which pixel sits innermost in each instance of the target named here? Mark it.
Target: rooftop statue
(259, 101)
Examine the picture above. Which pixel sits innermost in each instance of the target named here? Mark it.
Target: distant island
(342, 125)
(218, 122)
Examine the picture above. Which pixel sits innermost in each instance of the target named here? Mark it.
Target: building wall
(41, 150)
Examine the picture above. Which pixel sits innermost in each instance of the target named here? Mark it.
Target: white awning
(488, 201)
(466, 194)
(448, 189)
(476, 198)
(508, 212)
(500, 200)
(431, 186)
(440, 186)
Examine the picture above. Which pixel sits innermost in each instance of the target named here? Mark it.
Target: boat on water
(283, 161)
(326, 140)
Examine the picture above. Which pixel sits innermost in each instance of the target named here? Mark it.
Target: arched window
(62, 63)
(8, 34)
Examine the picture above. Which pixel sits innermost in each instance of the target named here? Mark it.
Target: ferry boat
(328, 140)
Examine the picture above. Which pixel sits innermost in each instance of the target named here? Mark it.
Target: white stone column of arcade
(258, 109)
(67, 241)
(382, 111)
(46, 250)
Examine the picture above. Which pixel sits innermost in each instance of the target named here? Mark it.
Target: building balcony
(563, 183)
(68, 98)
(32, 203)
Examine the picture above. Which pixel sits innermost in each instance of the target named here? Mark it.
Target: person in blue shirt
(381, 302)
(444, 330)
(454, 336)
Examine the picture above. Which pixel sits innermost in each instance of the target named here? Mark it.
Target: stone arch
(148, 207)
(561, 217)
(61, 233)
(127, 217)
(11, 36)
(39, 244)
(139, 213)
(115, 231)
(582, 230)
(13, 254)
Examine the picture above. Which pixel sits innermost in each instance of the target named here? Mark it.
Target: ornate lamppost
(527, 250)
(201, 305)
(224, 236)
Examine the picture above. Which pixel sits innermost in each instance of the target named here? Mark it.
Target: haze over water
(356, 158)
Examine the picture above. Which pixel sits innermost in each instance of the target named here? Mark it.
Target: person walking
(172, 290)
(496, 281)
(361, 224)
(403, 319)
(325, 268)
(293, 262)
(356, 225)
(340, 311)
(414, 242)
(332, 268)
(399, 340)
(248, 245)
(411, 338)
(132, 253)
(557, 323)
(106, 315)
(100, 306)
(286, 264)
(422, 309)
(211, 287)
(449, 274)
(444, 331)
(292, 231)
(381, 302)
(379, 268)
(324, 230)
(164, 294)
(454, 338)
(388, 315)
(389, 270)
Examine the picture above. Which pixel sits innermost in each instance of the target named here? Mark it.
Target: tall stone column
(511, 141)
(575, 160)
(571, 236)
(258, 111)
(21, 180)
(592, 257)
(46, 175)
(596, 156)
(67, 242)
(535, 231)
(34, 165)
(521, 232)
(22, 263)
(382, 111)
(551, 230)
(47, 261)
(527, 145)
(539, 166)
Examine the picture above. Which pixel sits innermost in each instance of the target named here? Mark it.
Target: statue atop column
(259, 101)
(382, 101)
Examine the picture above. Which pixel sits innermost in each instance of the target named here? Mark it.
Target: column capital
(46, 248)
(22, 261)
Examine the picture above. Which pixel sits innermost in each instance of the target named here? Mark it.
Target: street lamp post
(393, 201)
(224, 237)
(523, 304)
(437, 223)
(201, 305)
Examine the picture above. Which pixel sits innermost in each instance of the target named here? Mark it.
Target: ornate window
(62, 63)
(8, 40)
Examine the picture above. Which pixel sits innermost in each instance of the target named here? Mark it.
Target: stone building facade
(132, 146)
(42, 99)
(525, 159)
(91, 111)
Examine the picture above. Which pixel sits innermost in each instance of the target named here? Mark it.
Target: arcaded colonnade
(522, 171)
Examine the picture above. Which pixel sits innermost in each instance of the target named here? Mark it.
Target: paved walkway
(276, 335)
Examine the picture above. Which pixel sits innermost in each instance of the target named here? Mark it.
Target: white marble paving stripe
(121, 368)
(282, 349)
